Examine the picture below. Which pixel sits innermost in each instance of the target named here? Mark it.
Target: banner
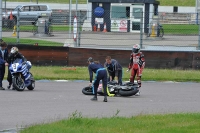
(119, 25)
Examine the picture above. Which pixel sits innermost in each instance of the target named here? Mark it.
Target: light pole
(0, 19)
(70, 14)
(5, 6)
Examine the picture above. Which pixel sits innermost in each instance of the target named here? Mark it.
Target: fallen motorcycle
(113, 89)
(21, 77)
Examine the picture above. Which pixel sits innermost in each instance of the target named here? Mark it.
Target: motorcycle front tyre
(16, 83)
(87, 90)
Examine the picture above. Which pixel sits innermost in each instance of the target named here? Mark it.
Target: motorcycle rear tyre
(31, 86)
(131, 92)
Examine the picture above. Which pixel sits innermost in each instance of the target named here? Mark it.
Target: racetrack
(53, 100)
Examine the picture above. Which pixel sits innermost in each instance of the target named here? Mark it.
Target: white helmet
(136, 49)
(14, 50)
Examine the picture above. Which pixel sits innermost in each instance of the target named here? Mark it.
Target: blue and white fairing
(21, 67)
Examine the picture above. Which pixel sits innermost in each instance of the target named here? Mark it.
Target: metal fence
(165, 31)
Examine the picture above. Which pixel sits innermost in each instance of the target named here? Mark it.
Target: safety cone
(104, 29)
(94, 28)
(11, 16)
(98, 28)
(14, 31)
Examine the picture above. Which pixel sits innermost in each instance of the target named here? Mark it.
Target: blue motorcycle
(21, 77)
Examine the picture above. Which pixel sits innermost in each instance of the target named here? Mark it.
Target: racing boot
(94, 98)
(1, 88)
(105, 99)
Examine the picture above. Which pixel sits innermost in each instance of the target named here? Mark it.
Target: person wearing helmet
(101, 74)
(3, 61)
(14, 54)
(137, 63)
(114, 69)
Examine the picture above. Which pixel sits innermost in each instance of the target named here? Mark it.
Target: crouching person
(101, 74)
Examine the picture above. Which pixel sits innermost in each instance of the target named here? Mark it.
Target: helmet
(14, 50)
(136, 48)
(90, 59)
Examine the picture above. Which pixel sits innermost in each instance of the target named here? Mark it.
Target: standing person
(3, 62)
(114, 69)
(14, 54)
(101, 74)
(137, 63)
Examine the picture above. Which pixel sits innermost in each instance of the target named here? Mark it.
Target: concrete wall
(181, 9)
(64, 56)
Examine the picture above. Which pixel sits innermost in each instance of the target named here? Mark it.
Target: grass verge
(31, 42)
(179, 29)
(162, 2)
(168, 123)
(81, 73)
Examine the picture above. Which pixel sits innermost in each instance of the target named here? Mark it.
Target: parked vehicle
(128, 89)
(21, 76)
(27, 13)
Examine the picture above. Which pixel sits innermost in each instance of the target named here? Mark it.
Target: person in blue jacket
(3, 61)
(101, 74)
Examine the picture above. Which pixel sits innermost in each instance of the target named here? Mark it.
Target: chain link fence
(115, 30)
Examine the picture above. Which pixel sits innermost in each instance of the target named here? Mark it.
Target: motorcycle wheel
(100, 92)
(130, 92)
(32, 85)
(18, 83)
(87, 91)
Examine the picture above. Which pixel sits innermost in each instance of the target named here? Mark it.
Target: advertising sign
(119, 25)
(99, 11)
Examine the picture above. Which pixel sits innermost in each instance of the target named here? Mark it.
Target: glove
(140, 62)
(90, 84)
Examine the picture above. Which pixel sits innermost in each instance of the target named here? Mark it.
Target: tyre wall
(65, 56)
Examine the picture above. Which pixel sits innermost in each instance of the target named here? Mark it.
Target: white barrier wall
(181, 9)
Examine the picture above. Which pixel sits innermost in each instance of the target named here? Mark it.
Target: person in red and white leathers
(137, 63)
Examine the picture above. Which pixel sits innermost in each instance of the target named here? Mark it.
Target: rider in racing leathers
(14, 54)
(137, 63)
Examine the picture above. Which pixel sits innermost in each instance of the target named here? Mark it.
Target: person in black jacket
(14, 54)
(114, 69)
(101, 74)
(3, 61)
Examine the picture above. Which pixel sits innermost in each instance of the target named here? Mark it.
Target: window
(25, 9)
(120, 12)
(43, 8)
(34, 8)
(137, 13)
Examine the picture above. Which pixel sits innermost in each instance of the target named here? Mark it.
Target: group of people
(114, 70)
(7, 58)
(111, 66)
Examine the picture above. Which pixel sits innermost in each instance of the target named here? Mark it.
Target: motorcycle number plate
(14, 66)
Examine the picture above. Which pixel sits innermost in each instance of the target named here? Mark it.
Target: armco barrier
(65, 56)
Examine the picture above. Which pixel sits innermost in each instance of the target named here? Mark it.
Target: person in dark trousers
(114, 69)
(101, 74)
(14, 54)
(3, 62)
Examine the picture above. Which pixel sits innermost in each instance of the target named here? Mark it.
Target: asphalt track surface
(51, 101)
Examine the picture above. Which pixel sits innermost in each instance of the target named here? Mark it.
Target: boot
(1, 88)
(105, 99)
(94, 98)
